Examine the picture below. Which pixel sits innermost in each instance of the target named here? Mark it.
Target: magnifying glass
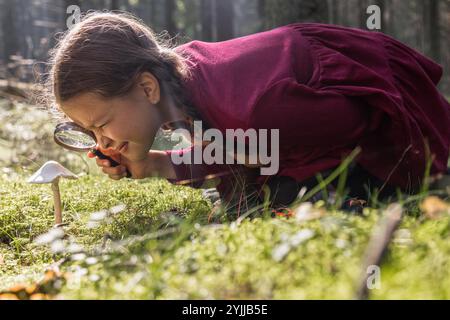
(73, 137)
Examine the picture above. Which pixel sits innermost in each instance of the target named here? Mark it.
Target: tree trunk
(282, 12)
(344, 8)
(206, 20)
(434, 30)
(262, 9)
(333, 9)
(114, 5)
(10, 39)
(362, 8)
(383, 7)
(224, 19)
(170, 21)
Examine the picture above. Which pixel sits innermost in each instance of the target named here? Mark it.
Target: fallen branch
(17, 90)
(378, 245)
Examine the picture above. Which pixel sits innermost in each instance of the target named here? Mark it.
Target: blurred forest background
(28, 27)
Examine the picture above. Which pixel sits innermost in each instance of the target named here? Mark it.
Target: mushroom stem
(57, 202)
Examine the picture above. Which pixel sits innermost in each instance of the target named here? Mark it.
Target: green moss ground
(161, 246)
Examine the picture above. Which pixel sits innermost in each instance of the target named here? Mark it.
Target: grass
(161, 246)
(148, 239)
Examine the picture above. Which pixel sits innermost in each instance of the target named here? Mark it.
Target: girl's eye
(103, 125)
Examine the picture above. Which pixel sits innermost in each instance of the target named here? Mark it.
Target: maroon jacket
(327, 89)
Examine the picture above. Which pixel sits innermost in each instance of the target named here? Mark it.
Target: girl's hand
(156, 164)
(138, 169)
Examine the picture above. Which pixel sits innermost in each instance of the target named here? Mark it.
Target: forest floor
(156, 243)
(148, 239)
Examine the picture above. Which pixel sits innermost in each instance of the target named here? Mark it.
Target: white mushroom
(50, 172)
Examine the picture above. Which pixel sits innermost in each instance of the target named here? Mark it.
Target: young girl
(327, 89)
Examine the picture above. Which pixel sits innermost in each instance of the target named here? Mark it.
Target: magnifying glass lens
(75, 139)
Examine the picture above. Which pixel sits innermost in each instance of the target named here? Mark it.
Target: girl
(327, 89)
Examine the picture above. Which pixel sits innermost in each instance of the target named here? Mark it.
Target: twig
(378, 245)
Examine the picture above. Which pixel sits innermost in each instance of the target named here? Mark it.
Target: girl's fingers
(118, 176)
(116, 171)
(102, 162)
(115, 177)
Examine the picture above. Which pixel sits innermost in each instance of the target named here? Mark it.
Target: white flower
(57, 246)
(301, 236)
(92, 224)
(306, 212)
(74, 248)
(78, 257)
(341, 243)
(94, 277)
(303, 211)
(288, 243)
(99, 215)
(91, 260)
(50, 236)
(280, 251)
(117, 209)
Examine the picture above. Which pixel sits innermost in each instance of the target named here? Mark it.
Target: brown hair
(105, 53)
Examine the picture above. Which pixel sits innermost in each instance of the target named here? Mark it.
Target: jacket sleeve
(234, 182)
(192, 174)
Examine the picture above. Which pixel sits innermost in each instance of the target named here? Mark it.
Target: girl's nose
(104, 142)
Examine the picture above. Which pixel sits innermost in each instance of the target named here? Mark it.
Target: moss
(160, 246)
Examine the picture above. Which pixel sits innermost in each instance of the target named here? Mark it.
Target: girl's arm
(161, 165)
(190, 173)
(156, 164)
(236, 183)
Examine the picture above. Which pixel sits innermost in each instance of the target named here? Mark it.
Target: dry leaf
(40, 296)
(434, 207)
(8, 296)
(357, 202)
(43, 289)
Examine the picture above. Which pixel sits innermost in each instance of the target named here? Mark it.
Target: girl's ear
(152, 96)
(151, 87)
(147, 92)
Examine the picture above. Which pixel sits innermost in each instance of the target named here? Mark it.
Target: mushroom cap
(49, 172)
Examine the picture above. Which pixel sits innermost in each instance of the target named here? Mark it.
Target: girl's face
(127, 124)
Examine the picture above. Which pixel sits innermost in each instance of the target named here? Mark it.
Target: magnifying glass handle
(113, 162)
